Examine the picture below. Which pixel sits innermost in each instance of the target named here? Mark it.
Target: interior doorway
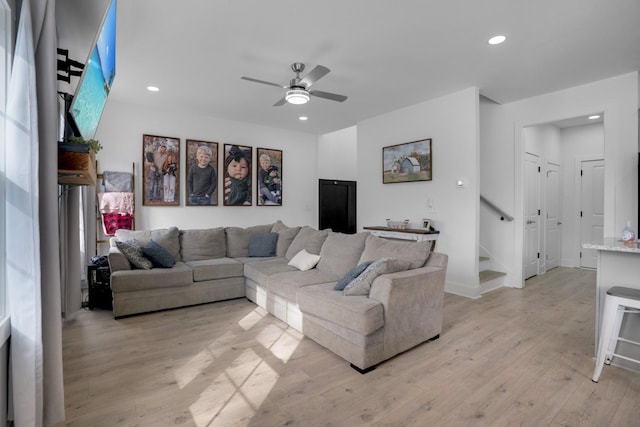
(532, 215)
(337, 205)
(555, 194)
(591, 209)
(553, 217)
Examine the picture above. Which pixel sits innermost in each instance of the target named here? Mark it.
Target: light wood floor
(514, 357)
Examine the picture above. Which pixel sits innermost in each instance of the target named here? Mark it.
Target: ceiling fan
(298, 89)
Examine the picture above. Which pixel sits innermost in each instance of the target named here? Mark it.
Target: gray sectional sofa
(388, 313)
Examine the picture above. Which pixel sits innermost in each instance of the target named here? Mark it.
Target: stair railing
(503, 214)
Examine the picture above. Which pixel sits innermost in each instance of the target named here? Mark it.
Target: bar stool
(619, 300)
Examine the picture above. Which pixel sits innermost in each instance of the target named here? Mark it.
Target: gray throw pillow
(307, 238)
(158, 255)
(132, 249)
(361, 285)
(263, 245)
(351, 274)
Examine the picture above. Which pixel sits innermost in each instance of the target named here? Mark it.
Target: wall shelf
(77, 168)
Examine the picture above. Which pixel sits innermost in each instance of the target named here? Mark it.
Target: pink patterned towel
(116, 202)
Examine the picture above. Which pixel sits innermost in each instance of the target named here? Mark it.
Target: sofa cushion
(263, 245)
(168, 238)
(361, 285)
(259, 270)
(208, 243)
(135, 280)
(238, 239)
(217, 268)
(358, 313)
(287, 284)
(304, 261)
(285, 237)
(158, 255)
(132, 249)
(377, 248)
(307, 238)
(351, 274)
(341, 252)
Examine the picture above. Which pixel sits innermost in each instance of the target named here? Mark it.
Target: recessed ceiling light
(497, 39)
(303, 118)
(595, 116)
(152, 88)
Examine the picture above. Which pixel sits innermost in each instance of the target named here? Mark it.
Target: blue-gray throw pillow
(263, 245)
(351, 274)
(132, 249)
(159, 256)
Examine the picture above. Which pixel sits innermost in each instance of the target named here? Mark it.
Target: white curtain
(33, 272)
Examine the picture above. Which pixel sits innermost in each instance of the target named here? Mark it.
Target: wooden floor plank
(515, 357)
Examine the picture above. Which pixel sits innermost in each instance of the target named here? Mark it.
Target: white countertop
(614, 244)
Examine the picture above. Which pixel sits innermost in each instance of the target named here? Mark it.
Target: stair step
(484, 258)
(486, 275)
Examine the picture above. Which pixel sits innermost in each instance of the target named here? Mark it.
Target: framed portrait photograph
(161, 170)
(426, 224)
(237, 175)
(407, 162)
(202, 173)
(269, 177)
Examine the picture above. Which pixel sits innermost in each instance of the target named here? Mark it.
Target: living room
(464, 126)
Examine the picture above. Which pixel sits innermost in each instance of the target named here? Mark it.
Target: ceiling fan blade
(328, 95)
(314, 75)
(280, 102)
(263, 82)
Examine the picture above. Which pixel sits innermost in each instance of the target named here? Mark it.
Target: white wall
(617, 97)
(120, 132)
(452, 123)
(578, 143)
(337, 155)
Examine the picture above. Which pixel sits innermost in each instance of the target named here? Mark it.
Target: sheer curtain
(33, 264)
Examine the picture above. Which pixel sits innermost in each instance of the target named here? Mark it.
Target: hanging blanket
(116, 202)
(117, 181)
(112, 221)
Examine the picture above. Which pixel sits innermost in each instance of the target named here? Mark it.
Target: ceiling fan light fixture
(297, 96)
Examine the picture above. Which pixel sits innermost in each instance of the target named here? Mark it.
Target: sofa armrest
(413, 302)
(117, 260)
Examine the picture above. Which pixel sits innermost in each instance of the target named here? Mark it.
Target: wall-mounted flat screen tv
(97, 78)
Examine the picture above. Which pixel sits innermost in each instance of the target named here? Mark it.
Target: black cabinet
(337, 205)
(99, 279)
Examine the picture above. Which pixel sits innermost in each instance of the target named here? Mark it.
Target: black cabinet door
(337, 205)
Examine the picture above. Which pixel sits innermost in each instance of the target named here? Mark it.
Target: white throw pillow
(304, 261)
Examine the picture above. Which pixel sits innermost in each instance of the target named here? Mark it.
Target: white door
(532, 215)
(553, 215)
(591, 209)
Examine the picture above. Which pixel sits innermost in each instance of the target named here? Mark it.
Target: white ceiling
(383, 55)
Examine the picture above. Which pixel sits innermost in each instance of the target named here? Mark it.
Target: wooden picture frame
(201, 179)
(160, 171)
(268, 177)
(407, 162)
(237, 175)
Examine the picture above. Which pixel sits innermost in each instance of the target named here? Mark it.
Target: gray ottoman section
(288, 284)
(358, 313)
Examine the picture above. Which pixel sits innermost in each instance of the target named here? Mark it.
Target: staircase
(489, 279)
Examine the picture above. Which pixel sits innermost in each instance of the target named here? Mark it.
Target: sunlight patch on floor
(236, 394)
(196, 365)
(251, 319)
